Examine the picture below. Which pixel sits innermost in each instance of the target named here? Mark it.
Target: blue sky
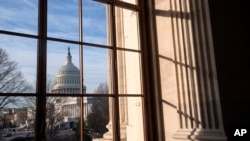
(21, 16)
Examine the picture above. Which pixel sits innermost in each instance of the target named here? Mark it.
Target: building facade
(18, 118)
(67, 82)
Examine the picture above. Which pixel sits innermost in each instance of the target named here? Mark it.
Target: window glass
(19, 16)
(62, 66)
(95, 68)
(131, 120)
(62, 115)
(127, 31)
(63, 19)
(62, 118)
(17, 117)
(129, 72)
(94, 22)
(17, 64)
(97, 118)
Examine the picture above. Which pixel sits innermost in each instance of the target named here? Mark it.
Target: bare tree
(49, 84)
(102, 88)
(11, 80)
(98, 119)
(54, 115)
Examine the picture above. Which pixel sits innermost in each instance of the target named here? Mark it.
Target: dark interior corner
(232, 61)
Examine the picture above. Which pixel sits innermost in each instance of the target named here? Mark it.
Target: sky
(22, 16)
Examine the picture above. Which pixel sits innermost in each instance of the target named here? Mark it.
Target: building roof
(68, 75)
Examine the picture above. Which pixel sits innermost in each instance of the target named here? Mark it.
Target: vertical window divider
(153, 112)
(81, 68)
(116, 121)
(41, 71)
(145, 82)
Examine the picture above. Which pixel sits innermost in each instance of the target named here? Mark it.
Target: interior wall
(165, 43)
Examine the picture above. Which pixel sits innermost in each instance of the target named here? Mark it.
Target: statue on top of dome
(69, 51)
(68, 59)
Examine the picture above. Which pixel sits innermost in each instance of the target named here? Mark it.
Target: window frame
(147, 68)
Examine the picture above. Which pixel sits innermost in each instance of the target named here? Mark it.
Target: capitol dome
(67, 78)
(67, 81)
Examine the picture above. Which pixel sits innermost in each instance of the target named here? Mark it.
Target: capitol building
(67, 81)
(67, 78)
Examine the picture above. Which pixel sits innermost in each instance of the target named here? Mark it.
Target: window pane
(95, 68)
(17, 64)
(63, 75)
(63, 19)
(62, 118)
(97, 117)
(17, 117)
(129, 72)
(127, 31)
(94, 22)
(131, 119)
(19, 16)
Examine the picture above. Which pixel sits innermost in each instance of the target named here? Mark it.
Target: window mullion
(116, 117)
(41, 71)
(81, 69)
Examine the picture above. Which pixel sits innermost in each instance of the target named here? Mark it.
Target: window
(78, 65)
